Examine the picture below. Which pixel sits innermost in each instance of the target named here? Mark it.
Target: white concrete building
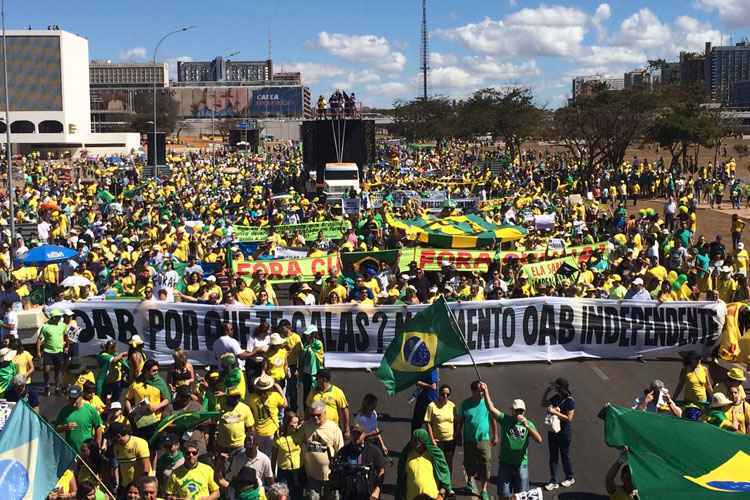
(50, 105)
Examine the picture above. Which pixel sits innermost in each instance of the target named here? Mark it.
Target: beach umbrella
(48, 254)
(71, 281)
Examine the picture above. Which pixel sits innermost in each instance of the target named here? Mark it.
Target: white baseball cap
(518, 404)
(638, 281)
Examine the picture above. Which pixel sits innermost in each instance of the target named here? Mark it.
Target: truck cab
(340, 178)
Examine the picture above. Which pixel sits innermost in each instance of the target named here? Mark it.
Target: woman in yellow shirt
(440, 418)
(695, 379)
(422, 469)
(287, 454)
(24, 361)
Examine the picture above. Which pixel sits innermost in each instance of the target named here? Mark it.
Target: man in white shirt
(10, 320)
(167, 280)
(227, 343)
(42, 230)
(252, 458)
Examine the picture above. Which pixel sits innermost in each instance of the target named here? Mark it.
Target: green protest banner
(546, 272)
(582, 253)
(331, 229)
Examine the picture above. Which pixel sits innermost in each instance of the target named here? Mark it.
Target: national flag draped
(428, 340)
(460, 231)
(677, 458)
(182, 421)
(32, 455)
(353, 263)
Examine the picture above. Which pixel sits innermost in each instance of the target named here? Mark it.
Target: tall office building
(224, 70)
(639, 78)
(729, 65)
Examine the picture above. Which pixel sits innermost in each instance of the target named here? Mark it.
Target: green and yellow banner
(546, 272)
(331, 230)
(280, 270)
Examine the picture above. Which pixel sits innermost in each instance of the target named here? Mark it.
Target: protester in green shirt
(79, 420)
(475, 427)
(513, 471)
(50, 344)
(170, 458)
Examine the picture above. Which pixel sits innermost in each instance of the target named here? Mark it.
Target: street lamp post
(213, 114)
(8, 154)
(156, 49)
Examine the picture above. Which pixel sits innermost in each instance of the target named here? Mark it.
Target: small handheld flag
(428, 340)
(32, 455)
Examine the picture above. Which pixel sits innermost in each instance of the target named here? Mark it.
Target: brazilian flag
(428, 340)
(181, 421)
(677, 458)
(354, 263)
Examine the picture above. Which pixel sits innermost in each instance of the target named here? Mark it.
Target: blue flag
(32, 456)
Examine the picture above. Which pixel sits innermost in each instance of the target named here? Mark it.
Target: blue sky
(372, 48)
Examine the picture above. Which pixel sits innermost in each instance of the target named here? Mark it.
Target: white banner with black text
(503, 331)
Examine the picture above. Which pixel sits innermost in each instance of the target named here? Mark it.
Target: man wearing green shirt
(478, 432)
(513, 472)
(50, 344)
(78, 420)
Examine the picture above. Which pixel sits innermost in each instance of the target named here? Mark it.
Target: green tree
(682, 121)
(167, 111)
(419, 119)
(598, 128)
(508, 113)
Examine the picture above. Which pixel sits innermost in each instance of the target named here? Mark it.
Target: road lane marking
(599, 372)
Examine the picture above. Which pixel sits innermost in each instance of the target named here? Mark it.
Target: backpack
(352, 481)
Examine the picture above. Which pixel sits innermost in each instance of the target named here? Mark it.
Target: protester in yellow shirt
(440, 420)
(265, 405)
(192, 480)
(337, 407)
(235, 422)
(132, 453)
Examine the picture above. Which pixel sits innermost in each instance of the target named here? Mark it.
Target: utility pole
(424, 49)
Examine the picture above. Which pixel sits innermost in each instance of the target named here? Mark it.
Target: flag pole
(81, 461)
(78, 457)
(452, 318)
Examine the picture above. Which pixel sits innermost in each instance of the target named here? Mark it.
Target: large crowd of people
(174, 240)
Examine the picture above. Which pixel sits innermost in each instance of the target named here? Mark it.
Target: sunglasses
(316, 415)
(191, 452)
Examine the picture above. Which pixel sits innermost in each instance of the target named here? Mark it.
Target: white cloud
(603, 13)
(366, 49)
(313, 72)
(544, 31)
(692, 35)
(356, 78)
(733, 13)
(390, 89)
(490, 69)
(605, 56)
(643, 29)
(439, 59)
(478, 72)
(134, 54)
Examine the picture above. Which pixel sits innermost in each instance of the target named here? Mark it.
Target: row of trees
(596, 128)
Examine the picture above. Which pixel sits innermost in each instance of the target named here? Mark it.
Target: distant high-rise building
(224, 70)
(729, 65)
(587, 85)
(639, 78)
(106, 74)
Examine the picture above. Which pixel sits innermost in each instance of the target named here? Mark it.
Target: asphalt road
(594, 383)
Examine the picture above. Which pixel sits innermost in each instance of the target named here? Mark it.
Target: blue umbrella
(48, 254)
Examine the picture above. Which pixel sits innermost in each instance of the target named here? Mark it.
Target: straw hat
(264, 382)
(719, 400)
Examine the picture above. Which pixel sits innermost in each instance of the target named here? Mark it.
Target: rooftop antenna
(424, 49)
(269, 43)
